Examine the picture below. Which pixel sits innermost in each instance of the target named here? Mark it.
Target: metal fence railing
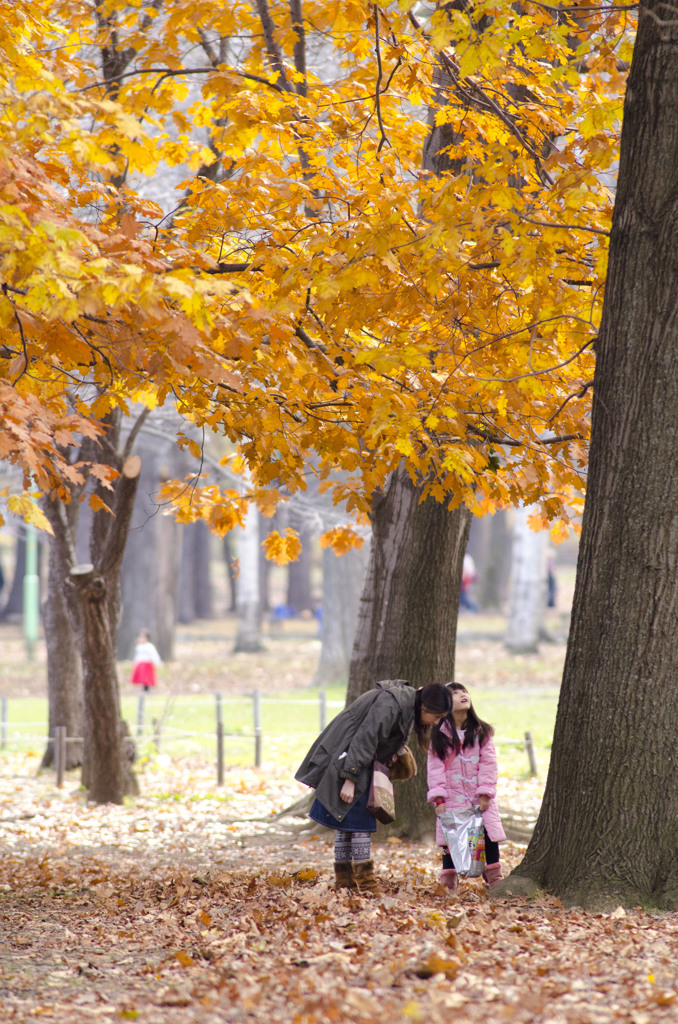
(209, 724)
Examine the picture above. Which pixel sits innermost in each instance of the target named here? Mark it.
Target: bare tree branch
(299, 45)
(273, 50)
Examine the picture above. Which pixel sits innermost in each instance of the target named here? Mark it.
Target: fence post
(220, 753)
(322, 704)
(156, 733)
(217, 699)
(140, 714)
(529, 747)
(256, 702)
(3, 723)
(60, 754)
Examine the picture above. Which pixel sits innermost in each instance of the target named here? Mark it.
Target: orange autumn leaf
(282, 549)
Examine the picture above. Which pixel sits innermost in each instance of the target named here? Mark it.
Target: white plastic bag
(465, 838)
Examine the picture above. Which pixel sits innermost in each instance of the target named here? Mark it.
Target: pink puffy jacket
(461, 779)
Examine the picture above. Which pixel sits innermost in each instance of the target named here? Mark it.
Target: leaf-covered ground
(199, 905)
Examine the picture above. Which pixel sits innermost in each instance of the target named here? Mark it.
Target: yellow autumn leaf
(341, 539)
(282, 549)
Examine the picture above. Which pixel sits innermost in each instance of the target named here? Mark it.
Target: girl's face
(460, 700)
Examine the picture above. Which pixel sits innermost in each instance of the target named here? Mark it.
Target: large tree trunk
(343, 580)
(106, 773)
(407, 621)
(607, 830)
(92, 593)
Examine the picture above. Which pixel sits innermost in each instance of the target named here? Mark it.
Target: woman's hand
(439, 808)
(483, 802)
(347, 791)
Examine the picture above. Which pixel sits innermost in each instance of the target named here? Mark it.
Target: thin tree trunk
(168, 548)
(14, 601)
(229, 562)
(299, 595)
(194, 585)
(490, 546)
(527, 599)
(266, 526)
(152, 556)
(64, 666)
(607, 830)
(248, 636)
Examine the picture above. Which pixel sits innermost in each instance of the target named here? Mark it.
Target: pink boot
(450, 879)
(492, 874)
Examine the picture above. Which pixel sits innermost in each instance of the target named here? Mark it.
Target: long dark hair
(435, 698)
(474, 728)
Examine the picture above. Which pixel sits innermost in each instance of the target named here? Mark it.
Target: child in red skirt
(146, 658)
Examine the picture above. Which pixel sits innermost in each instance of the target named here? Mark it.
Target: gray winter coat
(373, 728)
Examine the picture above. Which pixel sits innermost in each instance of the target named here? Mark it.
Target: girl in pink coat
(462, 772)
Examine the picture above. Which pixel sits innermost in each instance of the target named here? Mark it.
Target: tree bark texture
(608, 830)
(106, 772)
(92, 596)
(64, 666)
(343, 580)
(407, 621)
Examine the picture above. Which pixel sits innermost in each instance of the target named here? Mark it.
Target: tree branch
(299, 45)
(125, 492)
(565, 227)
(469, 86)
(511, 442)
(577, 394)
(129, 443)
(177, 73)
(272, 48)
(377, 92)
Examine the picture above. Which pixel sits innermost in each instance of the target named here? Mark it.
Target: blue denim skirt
(358, 818)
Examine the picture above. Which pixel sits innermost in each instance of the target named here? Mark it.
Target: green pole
(31, 592)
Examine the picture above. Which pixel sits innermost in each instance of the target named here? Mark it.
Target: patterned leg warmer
(342, 847)
(360, 845)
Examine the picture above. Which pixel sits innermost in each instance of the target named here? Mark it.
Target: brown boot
(366, 880)
(450, 879)
(493, 874)
(343, 875)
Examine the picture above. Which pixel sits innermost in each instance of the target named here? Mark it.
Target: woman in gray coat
(339, 766)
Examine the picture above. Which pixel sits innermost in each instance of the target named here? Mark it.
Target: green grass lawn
(289, 723)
